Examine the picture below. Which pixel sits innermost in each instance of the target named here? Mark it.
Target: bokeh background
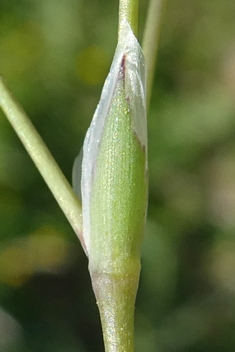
(55, 55)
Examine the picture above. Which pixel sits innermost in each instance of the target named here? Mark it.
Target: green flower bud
(114, 190)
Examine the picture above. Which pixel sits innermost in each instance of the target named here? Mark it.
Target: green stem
(151, 40)
(43, 159)
(115, 295)
(128, 10)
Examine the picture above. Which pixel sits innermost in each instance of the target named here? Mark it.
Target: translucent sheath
(114, 191)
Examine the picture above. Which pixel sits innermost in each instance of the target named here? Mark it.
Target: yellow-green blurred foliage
(55, 55)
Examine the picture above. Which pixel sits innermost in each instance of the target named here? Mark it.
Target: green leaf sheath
(117, 218)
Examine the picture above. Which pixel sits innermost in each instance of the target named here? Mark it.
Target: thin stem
(115, 295)
(42, 158)
(151, 40)
(128, 10)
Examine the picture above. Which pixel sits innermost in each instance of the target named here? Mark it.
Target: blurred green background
(55, 55)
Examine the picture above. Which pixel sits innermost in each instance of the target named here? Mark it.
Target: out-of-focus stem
(128, 10)
(150, 41)
(43, 159)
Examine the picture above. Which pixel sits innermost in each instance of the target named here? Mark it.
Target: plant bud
(114, 186)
